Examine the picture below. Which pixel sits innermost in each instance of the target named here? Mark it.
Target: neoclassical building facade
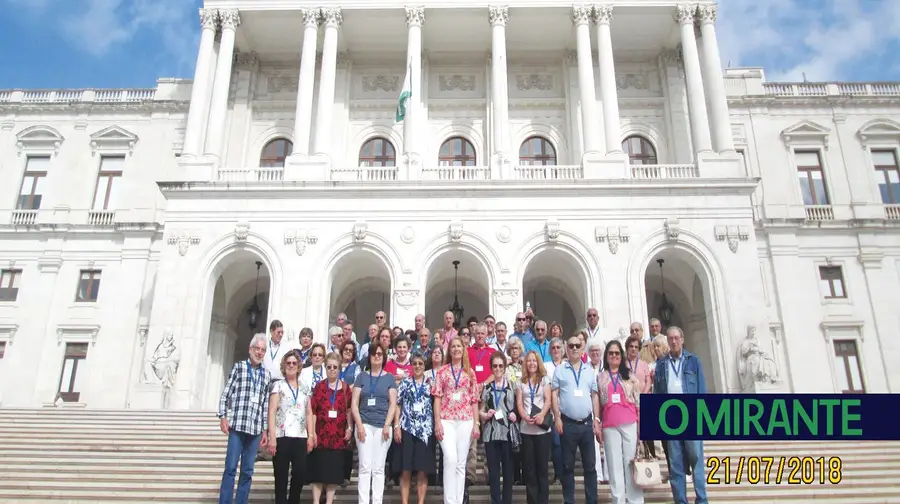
(609, 163)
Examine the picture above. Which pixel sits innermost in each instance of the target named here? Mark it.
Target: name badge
(498, 414)
(371, 401)
(254, 399)
(479, 369)
(579, 393)
(457, 396)
(616, 398)
(419, 408)
(332, 414)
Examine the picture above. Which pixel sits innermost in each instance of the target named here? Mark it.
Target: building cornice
(813, 101)
(102, 107)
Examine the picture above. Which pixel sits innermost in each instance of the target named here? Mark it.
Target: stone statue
(623, 335)
(163, 364)
(756, 366)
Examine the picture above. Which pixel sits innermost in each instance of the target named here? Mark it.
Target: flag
(405, 93)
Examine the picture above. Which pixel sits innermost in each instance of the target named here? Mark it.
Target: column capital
(230, 18)
(415, 16)
(581, 14)
(498, 15)
(310, 18)
(602, 14)
(209, 19)
(684, 14)
(707, 14)
(332, 17)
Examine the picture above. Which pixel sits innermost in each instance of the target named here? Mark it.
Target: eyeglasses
(635, 331)
(378, 354)
(318, 355)
(520, 319)
(291, 363)
(634, 346)
(614, 353)
(574, 346)
(541, 329)
(332, 367)
(556, 347)
(259, 349)
(347, 350)
(418, 364)
(379, 318)
(593, 315)
(498, 366)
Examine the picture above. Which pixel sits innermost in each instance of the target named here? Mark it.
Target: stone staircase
(83, 455)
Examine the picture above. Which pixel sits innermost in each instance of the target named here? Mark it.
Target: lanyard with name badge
(303, 355)
(479, 354)
(676, 369)
(276, 347)
(317, 377)
(372, 379)
(616, 398)
(421, 393)
(456, 396)
(332, 413)
(498, 397)
(294, 393)
(544, 352)
(254, 399)
(578, 392)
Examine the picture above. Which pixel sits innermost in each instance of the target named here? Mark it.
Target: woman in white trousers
(456, 424)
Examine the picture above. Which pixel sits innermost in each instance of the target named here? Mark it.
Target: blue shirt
(527, 337)
(542, 349)
(564, 380)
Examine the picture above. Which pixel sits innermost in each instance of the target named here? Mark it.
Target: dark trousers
(289, 464)
(578, 437)
(499, 461)
(437, 479)
(556, 453)
(348, 462)
(535, 459)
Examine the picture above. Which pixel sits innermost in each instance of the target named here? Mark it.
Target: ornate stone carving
(183, 241)
(229, 18)
(581, 14)
(673, 228)
(245, 60)
(311, 17)
(632, 81)
(331, 17)
(415, 16)
(623, 334)
(733, 235)
(672, 57)
(504, 234)
(706, 13)
(612, 236)
(408, 235)
(299, 239)
(162, 366)
(241, 231)
(406, 297)
(603, 14)
(209, 18)
(387, 83)
(551, 230)
(457, 82)
(541, 82)
(282, 83)
(498, 15)
(455, 231)
(143, 332)
(684, 14)
(755, 365)
(360, 230)
(506, 297)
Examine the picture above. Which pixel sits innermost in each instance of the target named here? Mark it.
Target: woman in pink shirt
(637, 367)
(620, 402)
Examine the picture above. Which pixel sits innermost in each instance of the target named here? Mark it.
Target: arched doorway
(441, 291)
(360, 287)
(556, 286)
(686, 285)
(236, 291)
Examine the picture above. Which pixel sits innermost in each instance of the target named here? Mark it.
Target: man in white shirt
(275, 350)
(342, 321)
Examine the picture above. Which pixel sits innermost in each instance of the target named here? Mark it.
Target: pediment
(806, 132)
(113, 139)
(879, 130)
(39, 139)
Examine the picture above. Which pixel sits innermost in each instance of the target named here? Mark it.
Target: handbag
(548, 418)
(645, 471)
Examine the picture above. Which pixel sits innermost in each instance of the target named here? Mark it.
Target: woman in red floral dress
(329, 430)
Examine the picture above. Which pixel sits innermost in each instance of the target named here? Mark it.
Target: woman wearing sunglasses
(329, 411)
(288, 413)
(498, 407)
(414, 431)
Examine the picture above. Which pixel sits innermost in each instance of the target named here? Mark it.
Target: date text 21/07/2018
(767, 470)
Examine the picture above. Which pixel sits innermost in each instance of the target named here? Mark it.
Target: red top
(480, 360)
(330, 431)
(393, 367)
(458, 392)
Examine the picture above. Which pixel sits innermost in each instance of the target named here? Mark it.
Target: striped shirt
(246, 396)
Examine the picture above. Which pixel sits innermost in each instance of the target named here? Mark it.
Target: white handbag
(645, 471)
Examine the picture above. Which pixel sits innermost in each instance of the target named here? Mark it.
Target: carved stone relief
(183, 241)
(504, 234)
(455, 231)
(241, 231)
(755, 365)
(300, 239)
(406, 297)
(282, 84)
(360, 229)
(612, 236)
(506, 297)
(551, 230)
(540, 82)
(456, 82)
(162, 366)
(673, 228)
(733, 235)
(376, 83)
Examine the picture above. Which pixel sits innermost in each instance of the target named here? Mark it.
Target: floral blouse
(330, 431)
(456, 400)
(514, 374)
(290, 417)
(416, 411)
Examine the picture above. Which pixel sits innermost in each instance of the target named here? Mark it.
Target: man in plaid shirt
(246, 394)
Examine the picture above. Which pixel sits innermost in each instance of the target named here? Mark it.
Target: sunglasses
(614, 353)
(379, 318)
(318, 355)
(291, 363)
(574, 346)
(520, 319)
(332, 367)
(498, 366)
(418, 364)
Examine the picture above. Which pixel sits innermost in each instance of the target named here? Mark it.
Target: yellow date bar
(766, 470)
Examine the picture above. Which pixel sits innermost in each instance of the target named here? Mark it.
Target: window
(75, 354)
(887, 175)
(107, 181)
(640, 151)
(275, 153)
(537, 151)
(377, 152)
(33, 183)
(457, 151)
(832, 279)
(88, 286)
(847, 368)
(812, 178)
(9, 284)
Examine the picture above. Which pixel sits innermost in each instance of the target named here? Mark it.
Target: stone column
(581, 17)
(879, 280)
(684, 15)
(608, 92)
(218, 113)
(332, 19)
(415, 17)
(201, 86)
(713, 82)
(498, 17)
(306, 82)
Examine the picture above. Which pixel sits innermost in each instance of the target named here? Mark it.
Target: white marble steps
(72, 455)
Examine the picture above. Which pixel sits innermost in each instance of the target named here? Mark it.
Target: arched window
(377, 152)
(537, 151)
(640, 151)
(457, 151)
(275, 152)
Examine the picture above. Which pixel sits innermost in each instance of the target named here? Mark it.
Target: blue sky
(129, 43)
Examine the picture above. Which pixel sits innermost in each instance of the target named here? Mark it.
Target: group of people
(415, 403)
